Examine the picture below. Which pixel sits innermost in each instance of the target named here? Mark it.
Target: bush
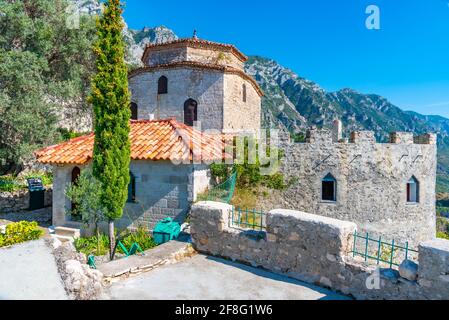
(443, 235)
(11, 183)
(141, 237)
(8, 184)
(19, 232)
(99, 246)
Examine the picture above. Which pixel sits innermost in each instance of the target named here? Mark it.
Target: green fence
(380, 251)
(223, 192)
(247, 219)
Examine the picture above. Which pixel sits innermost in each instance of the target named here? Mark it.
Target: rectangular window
(329, 192)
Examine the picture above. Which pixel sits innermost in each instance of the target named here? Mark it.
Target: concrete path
(208, 278)
(28, 272)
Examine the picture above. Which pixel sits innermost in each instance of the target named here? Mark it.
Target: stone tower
(195, 80)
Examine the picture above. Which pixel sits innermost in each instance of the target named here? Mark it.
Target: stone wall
(204, 86)
(371, 181)
(240, 115)
(315, 249)
(162, 190)
(17, 201)
(158, 56)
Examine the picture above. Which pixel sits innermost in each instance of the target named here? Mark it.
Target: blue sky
(326, 41)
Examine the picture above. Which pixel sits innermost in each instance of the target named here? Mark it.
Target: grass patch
(245, 198)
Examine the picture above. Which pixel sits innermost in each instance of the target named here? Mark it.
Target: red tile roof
(195, 43)
(156, 140)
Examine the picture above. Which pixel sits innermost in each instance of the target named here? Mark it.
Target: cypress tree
(110, 99)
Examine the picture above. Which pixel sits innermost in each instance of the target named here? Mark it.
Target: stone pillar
(434, 267)
(337, 131)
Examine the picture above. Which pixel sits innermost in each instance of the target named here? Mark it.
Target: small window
(162, 86)
(413, 190)
(132, 188)
(190, 112)
(244, 92)
(76, 172)
(134, 111)
(329, 188)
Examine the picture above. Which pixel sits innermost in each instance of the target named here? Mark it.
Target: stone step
(67, 233)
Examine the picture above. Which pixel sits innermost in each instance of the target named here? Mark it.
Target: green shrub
(443, 235)
(19, 232)
(9, 184)
(141, 237)
(97, 246)
(46, 177)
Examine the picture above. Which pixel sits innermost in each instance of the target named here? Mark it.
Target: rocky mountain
(294, 103)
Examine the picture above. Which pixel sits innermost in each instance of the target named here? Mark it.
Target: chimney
(151, 116)
(337, 131)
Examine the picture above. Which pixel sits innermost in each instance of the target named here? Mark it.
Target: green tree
(86, 193)
(43, 65)
(110, 99)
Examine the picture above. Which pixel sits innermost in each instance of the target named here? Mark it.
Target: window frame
(132, 187)
(162, 85)
(136, 111)
(413, 195)
(329, 178)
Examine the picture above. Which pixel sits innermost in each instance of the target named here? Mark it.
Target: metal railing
(380, 251)
(247, 219)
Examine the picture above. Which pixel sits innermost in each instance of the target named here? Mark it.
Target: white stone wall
(316, 250)
(204, 86)
(62, 178)
(239, 115)
(371, 183)
(201, 55)
(162, 190)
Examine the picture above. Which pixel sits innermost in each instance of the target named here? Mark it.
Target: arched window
(244, 92)
(329, 188)
(76, 172)
(134, 111)
(132, 188)
(162, 85)
(190, 112)
(413, 190)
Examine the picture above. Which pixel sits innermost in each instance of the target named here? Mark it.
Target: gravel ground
(204, 278)
(28, 272)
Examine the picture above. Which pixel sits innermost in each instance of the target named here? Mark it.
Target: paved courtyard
(204, 278)
(28, 272)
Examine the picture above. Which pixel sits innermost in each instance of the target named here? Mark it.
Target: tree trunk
(111, 239)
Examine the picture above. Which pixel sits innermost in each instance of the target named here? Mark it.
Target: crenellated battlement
(327, 136)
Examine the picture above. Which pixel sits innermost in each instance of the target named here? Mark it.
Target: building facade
(388, 189)
(197, 81)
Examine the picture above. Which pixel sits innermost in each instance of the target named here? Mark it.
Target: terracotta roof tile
(159, 140)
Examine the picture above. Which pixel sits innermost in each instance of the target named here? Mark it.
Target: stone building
(167, 171)
(388, 189)
(196, 80)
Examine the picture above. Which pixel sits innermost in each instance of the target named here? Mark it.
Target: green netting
(223, 192)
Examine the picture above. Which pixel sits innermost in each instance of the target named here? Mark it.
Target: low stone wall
(315, 249)
(17, 201)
